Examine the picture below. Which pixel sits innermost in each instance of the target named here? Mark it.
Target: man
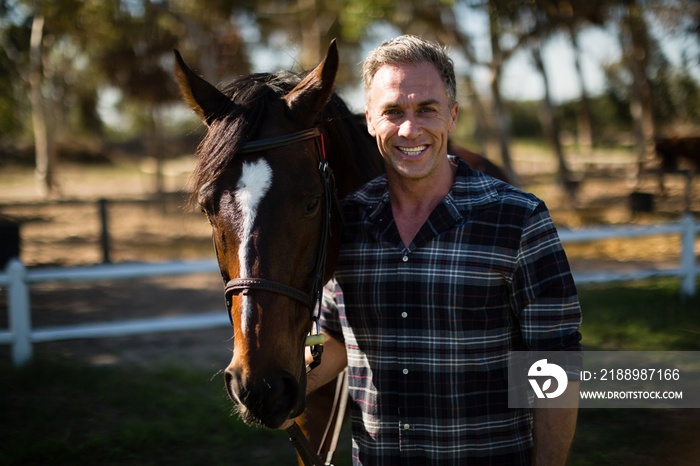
(442, 271)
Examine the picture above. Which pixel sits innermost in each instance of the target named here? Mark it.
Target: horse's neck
(355, 164)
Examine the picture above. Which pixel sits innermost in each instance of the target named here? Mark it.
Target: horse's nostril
(283, 393)
(227, 382)
(268, 400)
(233, 386)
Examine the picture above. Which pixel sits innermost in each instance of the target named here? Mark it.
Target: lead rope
(302, 446)
(340, 403)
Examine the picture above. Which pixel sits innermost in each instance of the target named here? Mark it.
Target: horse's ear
(206, 100)
(309, 97)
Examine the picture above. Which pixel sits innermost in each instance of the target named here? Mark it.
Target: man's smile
(412, 151)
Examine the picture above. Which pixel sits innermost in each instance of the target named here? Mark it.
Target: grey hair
(409, 49)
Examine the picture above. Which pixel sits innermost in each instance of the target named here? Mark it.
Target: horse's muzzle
(268, 400)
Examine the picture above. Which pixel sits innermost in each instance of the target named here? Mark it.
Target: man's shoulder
(474, 190)
(370, 193)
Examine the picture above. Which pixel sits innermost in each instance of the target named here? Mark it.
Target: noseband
(313, 299)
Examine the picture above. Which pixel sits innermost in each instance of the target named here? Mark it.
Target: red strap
(323, 148)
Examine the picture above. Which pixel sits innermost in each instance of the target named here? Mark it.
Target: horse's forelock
(251, 95)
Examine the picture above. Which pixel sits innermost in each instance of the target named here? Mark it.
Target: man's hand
(333, 362)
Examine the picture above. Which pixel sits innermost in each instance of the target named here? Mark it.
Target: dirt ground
(144, 227)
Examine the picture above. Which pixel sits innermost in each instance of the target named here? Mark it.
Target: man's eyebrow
(428, 103)
(424, 103)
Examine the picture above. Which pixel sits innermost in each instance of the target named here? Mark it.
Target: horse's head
(258, 182)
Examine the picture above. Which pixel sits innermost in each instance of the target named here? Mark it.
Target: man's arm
(553, 429)
(333, 362)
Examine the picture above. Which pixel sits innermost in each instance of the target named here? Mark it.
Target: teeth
(412, 150)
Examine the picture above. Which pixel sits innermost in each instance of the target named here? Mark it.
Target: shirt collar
(470, 190)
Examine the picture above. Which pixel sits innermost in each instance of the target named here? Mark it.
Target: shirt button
(406, 426)
(405, 371)
(404, 258)
(404, 314)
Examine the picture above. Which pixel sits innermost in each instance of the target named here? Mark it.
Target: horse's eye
(313, 205)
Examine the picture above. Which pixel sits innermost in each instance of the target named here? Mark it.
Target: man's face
(410, 115)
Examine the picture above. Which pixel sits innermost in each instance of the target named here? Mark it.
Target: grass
(57, 412)
(646, 316)
(643, 316)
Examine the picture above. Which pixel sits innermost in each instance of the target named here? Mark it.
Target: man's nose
(409, 128)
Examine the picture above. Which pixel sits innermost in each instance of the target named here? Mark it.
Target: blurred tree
(572, 17)
(14, 38)
(645, 78)
(66, 52)
(85, 46)
(551, 16)
(635, 41)
(47, 79)
(44, 147)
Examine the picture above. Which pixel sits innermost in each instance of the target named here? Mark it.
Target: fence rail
(17, 279)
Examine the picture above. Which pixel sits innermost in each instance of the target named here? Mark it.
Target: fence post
(688, 256)
(104, 230)
(19, 317)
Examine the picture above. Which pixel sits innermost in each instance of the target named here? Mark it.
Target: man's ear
(370, 126)
(454, 114)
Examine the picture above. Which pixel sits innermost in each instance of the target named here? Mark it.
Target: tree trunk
(584, 133)
(155, 148)
(452, 33)
(551, 129)
(44, 147)
(635, 49)
(502, 123)
(477, 108)
(311, 48)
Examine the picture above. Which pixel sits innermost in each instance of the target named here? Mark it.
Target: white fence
(17, 279)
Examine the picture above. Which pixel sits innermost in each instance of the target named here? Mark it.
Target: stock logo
(544, 372)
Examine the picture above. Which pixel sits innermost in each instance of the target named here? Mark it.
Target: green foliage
(524, 119)
(611, 116)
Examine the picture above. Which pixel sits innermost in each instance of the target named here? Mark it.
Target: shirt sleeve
(544, 296)
(330, 315)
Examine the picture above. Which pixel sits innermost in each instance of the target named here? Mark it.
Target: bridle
(313, 299)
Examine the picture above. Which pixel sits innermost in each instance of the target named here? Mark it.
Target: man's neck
(412, 200)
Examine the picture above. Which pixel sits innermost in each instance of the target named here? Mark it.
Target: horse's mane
(352, 153)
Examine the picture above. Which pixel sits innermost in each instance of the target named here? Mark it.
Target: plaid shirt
(428, 327)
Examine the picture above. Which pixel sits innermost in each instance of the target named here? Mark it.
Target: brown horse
(671, 152)
(264, 178)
